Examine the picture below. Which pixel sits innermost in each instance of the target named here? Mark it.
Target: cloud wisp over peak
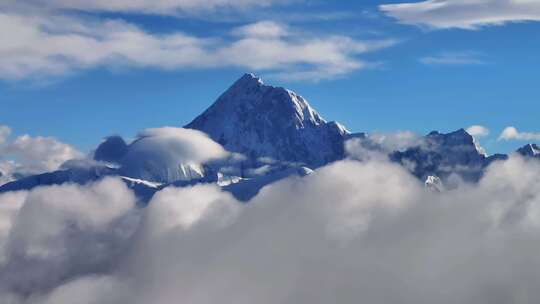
(478, 131)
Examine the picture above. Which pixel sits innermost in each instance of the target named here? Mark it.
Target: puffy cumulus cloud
(41, 154)
(351, 231)
(170, 154)
(511, 133)
(10, 203)
(464, 14)
(166, 213)
(55, 44)
(27, 154)
(477, 131)
(52, 234)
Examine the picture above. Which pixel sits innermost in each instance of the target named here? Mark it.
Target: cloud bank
(463, 14)
(351, 231)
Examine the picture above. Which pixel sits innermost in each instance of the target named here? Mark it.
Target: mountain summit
(262, 121)
(530, 150)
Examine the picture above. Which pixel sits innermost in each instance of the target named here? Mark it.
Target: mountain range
(270, 133)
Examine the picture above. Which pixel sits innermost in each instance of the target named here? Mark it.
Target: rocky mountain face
(261, 121)
(530, 150)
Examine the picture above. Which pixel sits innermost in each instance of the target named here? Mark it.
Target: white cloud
(464, 14)
(350, 231)
(453, 58)
(170, 154)
(26, 154)
(39, 153)
(59, 232)
(511, 133)
(38, 45)
(262, 29)
(5, 131)
(378, 145)
(162, 7)
(478, 131)
(10, 203)
(9, 170)
(166, 214)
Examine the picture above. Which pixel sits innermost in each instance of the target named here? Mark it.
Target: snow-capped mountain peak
(259, 120)
(531, 150)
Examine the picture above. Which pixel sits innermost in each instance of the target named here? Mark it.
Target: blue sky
(81, 70)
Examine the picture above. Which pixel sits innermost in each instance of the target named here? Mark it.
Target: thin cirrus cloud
(160, 7)
(453, 58)
(50, 43)
(511, 133)
(463, 14)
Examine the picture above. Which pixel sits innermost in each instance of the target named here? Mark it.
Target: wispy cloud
(511, 133)
(39, 45)
(160, 7)
(453, 58)
(464, 14)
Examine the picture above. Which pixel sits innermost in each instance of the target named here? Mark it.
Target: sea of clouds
(353, 231)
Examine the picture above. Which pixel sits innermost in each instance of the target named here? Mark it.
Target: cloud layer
(351, 231)
(464, 14)
(40, 43)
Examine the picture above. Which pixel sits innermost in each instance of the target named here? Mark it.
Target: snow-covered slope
(258, 120)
